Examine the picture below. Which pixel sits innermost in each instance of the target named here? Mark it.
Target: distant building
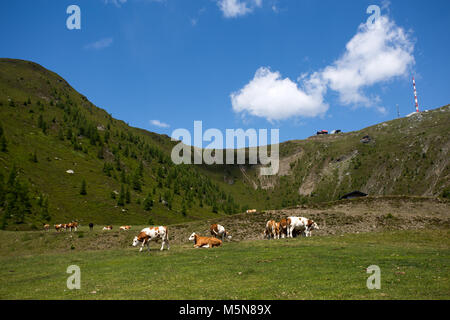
(353, 195)
(411, 114)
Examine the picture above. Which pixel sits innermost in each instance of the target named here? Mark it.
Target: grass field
(414, 265)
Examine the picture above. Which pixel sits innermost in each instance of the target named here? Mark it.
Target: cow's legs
(289, 230)
(162, 245)
(142, 247)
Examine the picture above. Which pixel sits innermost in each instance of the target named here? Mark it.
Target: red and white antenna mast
(415, 95)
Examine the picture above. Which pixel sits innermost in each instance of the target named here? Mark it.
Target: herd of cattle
(286, 228)
(63, 226)
(289, 228)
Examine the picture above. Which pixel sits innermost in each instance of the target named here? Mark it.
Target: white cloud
(236, 8)
(271, 97)
(158, 123)
(376, 54)
(100, 44)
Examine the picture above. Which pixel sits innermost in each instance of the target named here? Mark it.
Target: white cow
(300, 224)
(148, 234)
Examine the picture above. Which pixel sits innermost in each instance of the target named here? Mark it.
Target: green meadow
(414, 265)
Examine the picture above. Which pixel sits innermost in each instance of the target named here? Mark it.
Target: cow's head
(135, 241)
(192, 237)
(313, 226)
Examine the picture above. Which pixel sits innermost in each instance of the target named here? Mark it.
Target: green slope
(49, 128)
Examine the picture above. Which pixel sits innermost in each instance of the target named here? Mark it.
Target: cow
(64, 226)
(204, 242)
(300, 224)
(125, 228)
(46, 227)
(152, 234)
(91, 226)
(283, 224)
(219, 231)
(270, 232)
(251, 211)
(72, 225)
(108, 228)
(58, 227)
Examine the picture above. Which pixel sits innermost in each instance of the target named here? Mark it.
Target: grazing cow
(219, 231)
(300, 224)
(251, 211)
(46, 227)
(283, 224)
(204, 242)
(72, 225)
(271, 230)
(152, 234)
(91, 226)
(64, 226)
(107, 228)
(58, 227)
(125, 228)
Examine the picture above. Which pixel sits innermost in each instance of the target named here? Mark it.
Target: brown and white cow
(300, 224)
(72, 225)
(271, 230)
(125, 228)
(283, 224)
(58, 227)
(152, 234)
(46, 227)
(251, 211)
(204, 242)
(108, 228)
(219, 231)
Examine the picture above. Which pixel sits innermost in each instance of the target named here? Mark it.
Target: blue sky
(300, 66)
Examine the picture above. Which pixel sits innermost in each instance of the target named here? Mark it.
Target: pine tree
(44, 211)
(137, 182)
(127, 196)
(61, 134)
(121, 201)
(100, 153)
(33, 157)
(148, 203)
(83, 190)
(141, 169)
(3, 144)
(183, 209)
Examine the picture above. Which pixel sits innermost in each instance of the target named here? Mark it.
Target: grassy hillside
(407, 156)
(124, 175)
(121, 174)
